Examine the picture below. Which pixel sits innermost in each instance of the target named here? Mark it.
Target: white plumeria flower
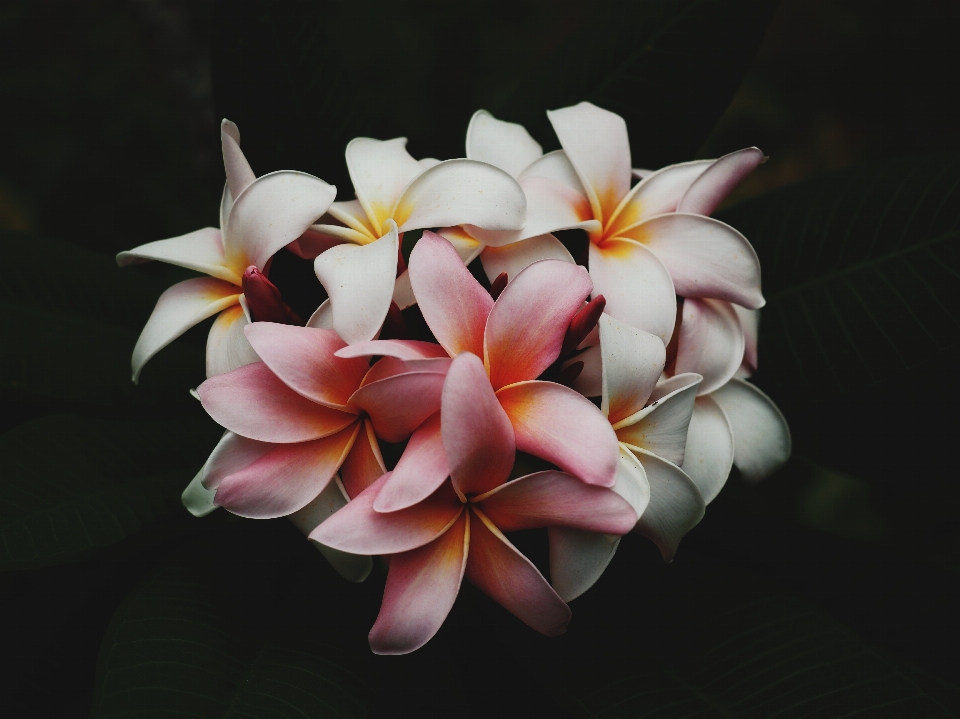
(258, 216)
(395, 194)
(650, 421)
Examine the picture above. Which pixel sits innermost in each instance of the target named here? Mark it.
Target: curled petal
(453, 303)
(271, 213)
(391, 367)
(506, 145)
(200, 250)
(710, 342)
(750, 322)
(399, 404)
(556, 499)
(511, 259)
(239, 174)
(563, 427)
(227, 347)
(364, 463)
(421, 469)
(476, 432)
(358, 528)
(254, 403)
(400, 349)
(632, 362)
(178, 309)
(422, 585)
(636, 285)
(662, 426)
(232, 454)
(379, 170)
(499, 570)
(709, 190)
(303, 358)
(761, 436)
(708, 455)
(556, 166)
(460, 192)
(578, 558)
(197, 499)
(322, 318)
(659, 192)
(527, 324)
(360, 283)
(675, 508)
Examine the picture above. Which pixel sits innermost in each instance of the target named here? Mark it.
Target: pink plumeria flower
(396, 193)
(651, 422)
(499, 406)
(258, 216)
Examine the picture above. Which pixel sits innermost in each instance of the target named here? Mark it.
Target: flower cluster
(620, 374)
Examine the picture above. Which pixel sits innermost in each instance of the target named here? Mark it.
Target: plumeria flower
(651, 423)
(258, 216)
(395, 194)
(502, 407)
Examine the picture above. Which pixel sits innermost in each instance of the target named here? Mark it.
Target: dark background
(109, 139)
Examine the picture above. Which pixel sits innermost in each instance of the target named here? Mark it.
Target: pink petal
(761, 436)
(708, 455)
(555, 499)
(379, 170)
(453, 303)
(239, 174)
(710, 342)
(178, 309)
(462, 192)
(400, 349)
(398, 405)
(232, 454)
(636, 285)
(227, 347)
(200, 250)
(499, 570)
(364, 463)
(659, 192)
(705, 257)
(528, 321)
(303, 358)
(358, 528)
(421, 469)
(476, 432)
(563, 427)
(513, 258)
(387, 367)
(271, 213)
(422, 585)
(675, 508)
(253, 402)
(287, 477)
(596, 142)
(359, 280)
(662, 426)
(710, 189)
(506, 145)
(632, 363)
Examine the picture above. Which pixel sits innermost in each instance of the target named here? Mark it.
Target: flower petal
(563, 427)
(200, 250)
(322, 318)
(400, 349)
(705, 257)
(386, 367)
(662, 426)
(636, 285)
(589, 382)
(761, 436)
(709, 190)
(352, 567)
(466, 246)
(528, 321)
(556, 499)
(710, 342)
(359, 281)
(513, 258)
(352, 214)
(399, 404)
(227, 347)
(708, 456)
(178, 309)
(459, 192)
(272, 212)
(659, 192)
(596, 142)
(499, 570)
(632, 363)
(578, 558)
(675, 508)
(254, 403)
(476, 432)
(379, 170)
(364, 463)
(303, 358)
(239, 174)
(315, 240)
(422, 585)
(359, 529)
(506, 145)
(453, 303)
(232, 454)
(197, 499)
(556, 166)
(421, 469)
(750, 322)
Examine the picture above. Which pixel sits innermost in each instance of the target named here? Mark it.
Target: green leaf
(73, 485)
(859, 269)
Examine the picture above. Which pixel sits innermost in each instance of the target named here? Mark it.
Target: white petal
(715, 184)
(380, 169)
(556, 166)
(227, 346)
(506, 145)
(200, 250)
(589, 382)
(352, 214)
(750, 322)
(662, 426)
(710, 342)
(708, 455)
(316, 240)
(232, 454)
(761, 436)
(197, 499)
(661, 191)
(469, 248)
(676, 505)
(515, 257)
(403, 291)
(322, 318)
(239, 174)
(632, 363)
